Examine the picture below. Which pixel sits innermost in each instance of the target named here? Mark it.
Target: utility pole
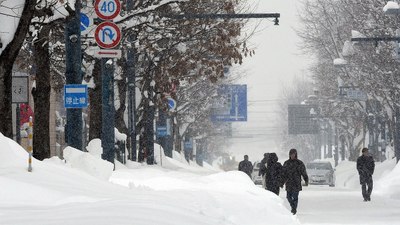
(73, 74)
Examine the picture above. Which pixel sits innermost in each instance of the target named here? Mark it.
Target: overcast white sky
(277, 61)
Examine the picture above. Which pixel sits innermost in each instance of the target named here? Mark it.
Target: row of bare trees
(183, 58)
(326, 30)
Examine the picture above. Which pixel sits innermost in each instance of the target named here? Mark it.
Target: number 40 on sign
(107, 9)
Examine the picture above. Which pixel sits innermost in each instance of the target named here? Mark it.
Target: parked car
(321, 173)
(257, 179)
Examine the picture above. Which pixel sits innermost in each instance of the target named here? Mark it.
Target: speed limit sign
(107, 9)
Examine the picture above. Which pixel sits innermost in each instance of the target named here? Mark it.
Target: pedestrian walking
(273, 175)
(365, 168)
(263, 168)
(246, 166)
(293, 170)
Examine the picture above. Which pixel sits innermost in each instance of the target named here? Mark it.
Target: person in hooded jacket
(365, 168)
(293, 170)
(273, 175)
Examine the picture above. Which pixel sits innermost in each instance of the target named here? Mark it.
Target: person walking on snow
(365, 168)
(273, 176)
(293, 170)
(246, 166)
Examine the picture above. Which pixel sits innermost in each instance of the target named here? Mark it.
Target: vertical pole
(108, 110)
(397, 133)
(149, 133)
(18, 124)
(329, 140)
(30, 144)
(343, 148)
(131, 104)
(169, 138)
(73, 75)
(131, 92)
(336, 156)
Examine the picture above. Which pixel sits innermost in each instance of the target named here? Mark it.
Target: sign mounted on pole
(107, 9)
(171, 103)
(86, 22)
(75, 96)
(20, 91)
(302, 119)
(107, 35)
(107, 53)
(233, 108)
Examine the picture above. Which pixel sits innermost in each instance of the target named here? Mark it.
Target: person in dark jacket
(293, 170)
(273, 175)
(366, 167)
(246, 166)
(263, 168)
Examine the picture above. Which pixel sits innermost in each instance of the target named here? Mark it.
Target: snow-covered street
(334, 206)
(76, 191)
(343, 204)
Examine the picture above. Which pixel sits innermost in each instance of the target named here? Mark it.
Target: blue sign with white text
(161, 131)
(233, 106)
(75, 96)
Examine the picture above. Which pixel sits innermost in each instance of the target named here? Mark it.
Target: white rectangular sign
(20, 93)
(107, 53)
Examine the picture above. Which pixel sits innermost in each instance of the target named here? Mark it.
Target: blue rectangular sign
(75, 96)
(162, 131)
(234, 107)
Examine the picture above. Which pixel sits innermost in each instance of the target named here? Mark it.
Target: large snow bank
(389, 184)
(386, 177)
(56, 193)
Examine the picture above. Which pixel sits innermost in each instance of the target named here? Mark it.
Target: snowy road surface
(339, 206)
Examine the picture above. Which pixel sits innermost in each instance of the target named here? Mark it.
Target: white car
(321, 173)
(257, 179)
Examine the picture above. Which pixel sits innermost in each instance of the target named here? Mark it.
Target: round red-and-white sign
(107, 9)
(107, 35)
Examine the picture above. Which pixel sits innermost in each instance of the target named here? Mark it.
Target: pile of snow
(59, 192)
(85, 161)
(386, 177)
(389, 183)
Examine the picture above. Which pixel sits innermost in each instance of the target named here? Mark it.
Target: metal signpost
(107, 36)
(234, 107)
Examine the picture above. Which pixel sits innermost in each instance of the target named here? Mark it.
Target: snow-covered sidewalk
(78, 192)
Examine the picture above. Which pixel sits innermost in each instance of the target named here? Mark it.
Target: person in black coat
(263, 168)
(366, 167)
(293, 170)
(273, 175)
(246, 166)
